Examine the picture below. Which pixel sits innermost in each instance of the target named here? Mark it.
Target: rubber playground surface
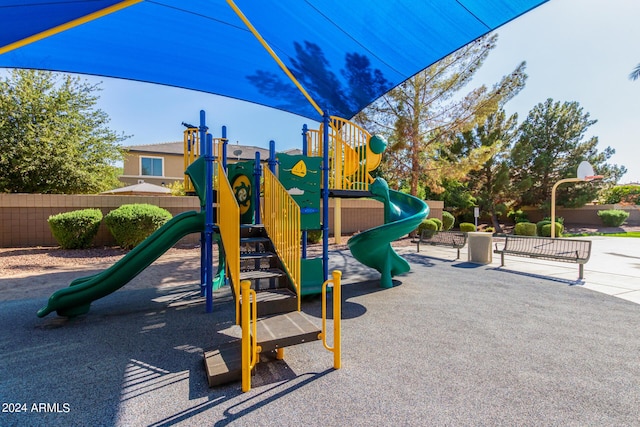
(452, 343)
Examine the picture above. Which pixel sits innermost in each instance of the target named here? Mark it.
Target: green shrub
(438, 223)
(131, 224)
(177, 188)
(622, 194)
(545, 230)
(489, 230)
(558, 219)
(525, 229)
(448, 220)
(314, 236)
(541, 224)
(613, 217)
(76, 229)
(427, 224)
(467, 227)
(517, 216)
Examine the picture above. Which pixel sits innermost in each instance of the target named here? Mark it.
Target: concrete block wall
(586, 215)
(23, 217)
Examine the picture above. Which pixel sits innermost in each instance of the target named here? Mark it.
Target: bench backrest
(453, 238)
(575, 249)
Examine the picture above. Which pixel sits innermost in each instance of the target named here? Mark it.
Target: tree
(635, 74)
(490, 183)
(52, 138)
(422, 116)
(456, 197)
(549, 148)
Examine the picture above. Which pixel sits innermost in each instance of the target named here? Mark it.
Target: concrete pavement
(613, 269)
(452, 343)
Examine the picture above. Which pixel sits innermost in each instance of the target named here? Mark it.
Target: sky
(576, 50)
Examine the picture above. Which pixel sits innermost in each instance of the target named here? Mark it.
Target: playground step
(224, 364)
(287, 329)
(258, 260)
(275, 301)
(271, 278)
(254, 244)
(252, 230)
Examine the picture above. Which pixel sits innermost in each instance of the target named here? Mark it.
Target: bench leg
(458, 257)
(581, 271)
(418, 246)
(502, 260)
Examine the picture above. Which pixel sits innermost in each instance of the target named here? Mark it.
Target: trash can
(479, 247)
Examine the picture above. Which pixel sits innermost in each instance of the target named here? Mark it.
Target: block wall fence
(23, 217)
(586, 215)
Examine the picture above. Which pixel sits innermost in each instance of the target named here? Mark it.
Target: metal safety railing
(337, 315)
(249, 324)
(281, 219)
(228, 218)
(350, 156)
(192, 149)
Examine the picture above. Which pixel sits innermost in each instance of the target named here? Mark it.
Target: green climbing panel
(301, 176)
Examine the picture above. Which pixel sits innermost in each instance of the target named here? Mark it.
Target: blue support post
(208, 226)
(272, 156)
(325, 197)
(223, 155)
(257, 173)
(304, 153)
(203, 260)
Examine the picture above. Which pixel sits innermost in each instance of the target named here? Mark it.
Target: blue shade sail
(345, 53)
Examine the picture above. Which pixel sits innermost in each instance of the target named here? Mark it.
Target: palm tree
(635, 74)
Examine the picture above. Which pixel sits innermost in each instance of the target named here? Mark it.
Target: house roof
(141, 189)
(234, 151)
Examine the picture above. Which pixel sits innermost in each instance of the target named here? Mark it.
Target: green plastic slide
(76, 299)
(402, 214)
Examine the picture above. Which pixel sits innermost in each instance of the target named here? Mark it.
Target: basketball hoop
(585, 173)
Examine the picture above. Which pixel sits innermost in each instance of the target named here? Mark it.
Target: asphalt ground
(452, 343)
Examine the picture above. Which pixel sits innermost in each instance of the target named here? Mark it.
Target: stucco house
(163, 163)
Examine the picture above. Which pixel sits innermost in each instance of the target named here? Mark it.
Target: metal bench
(557, 249)
(452, 239)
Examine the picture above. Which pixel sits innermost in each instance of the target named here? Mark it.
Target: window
(151, 166)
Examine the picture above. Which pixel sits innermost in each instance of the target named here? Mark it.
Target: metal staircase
(279, 324)
(260, 265)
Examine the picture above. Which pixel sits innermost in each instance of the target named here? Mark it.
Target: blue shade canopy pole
(272, 157)
(325, 197)
(222, 153)
(208, 226)
(275, 57)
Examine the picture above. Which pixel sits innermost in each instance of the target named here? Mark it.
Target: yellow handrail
(192, 150)
(350, 158)
(228, 218)
(337, 315)
(314, 143)
(249, 343)
(281, 218)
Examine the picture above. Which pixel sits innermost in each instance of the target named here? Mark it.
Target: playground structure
(261, 240)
